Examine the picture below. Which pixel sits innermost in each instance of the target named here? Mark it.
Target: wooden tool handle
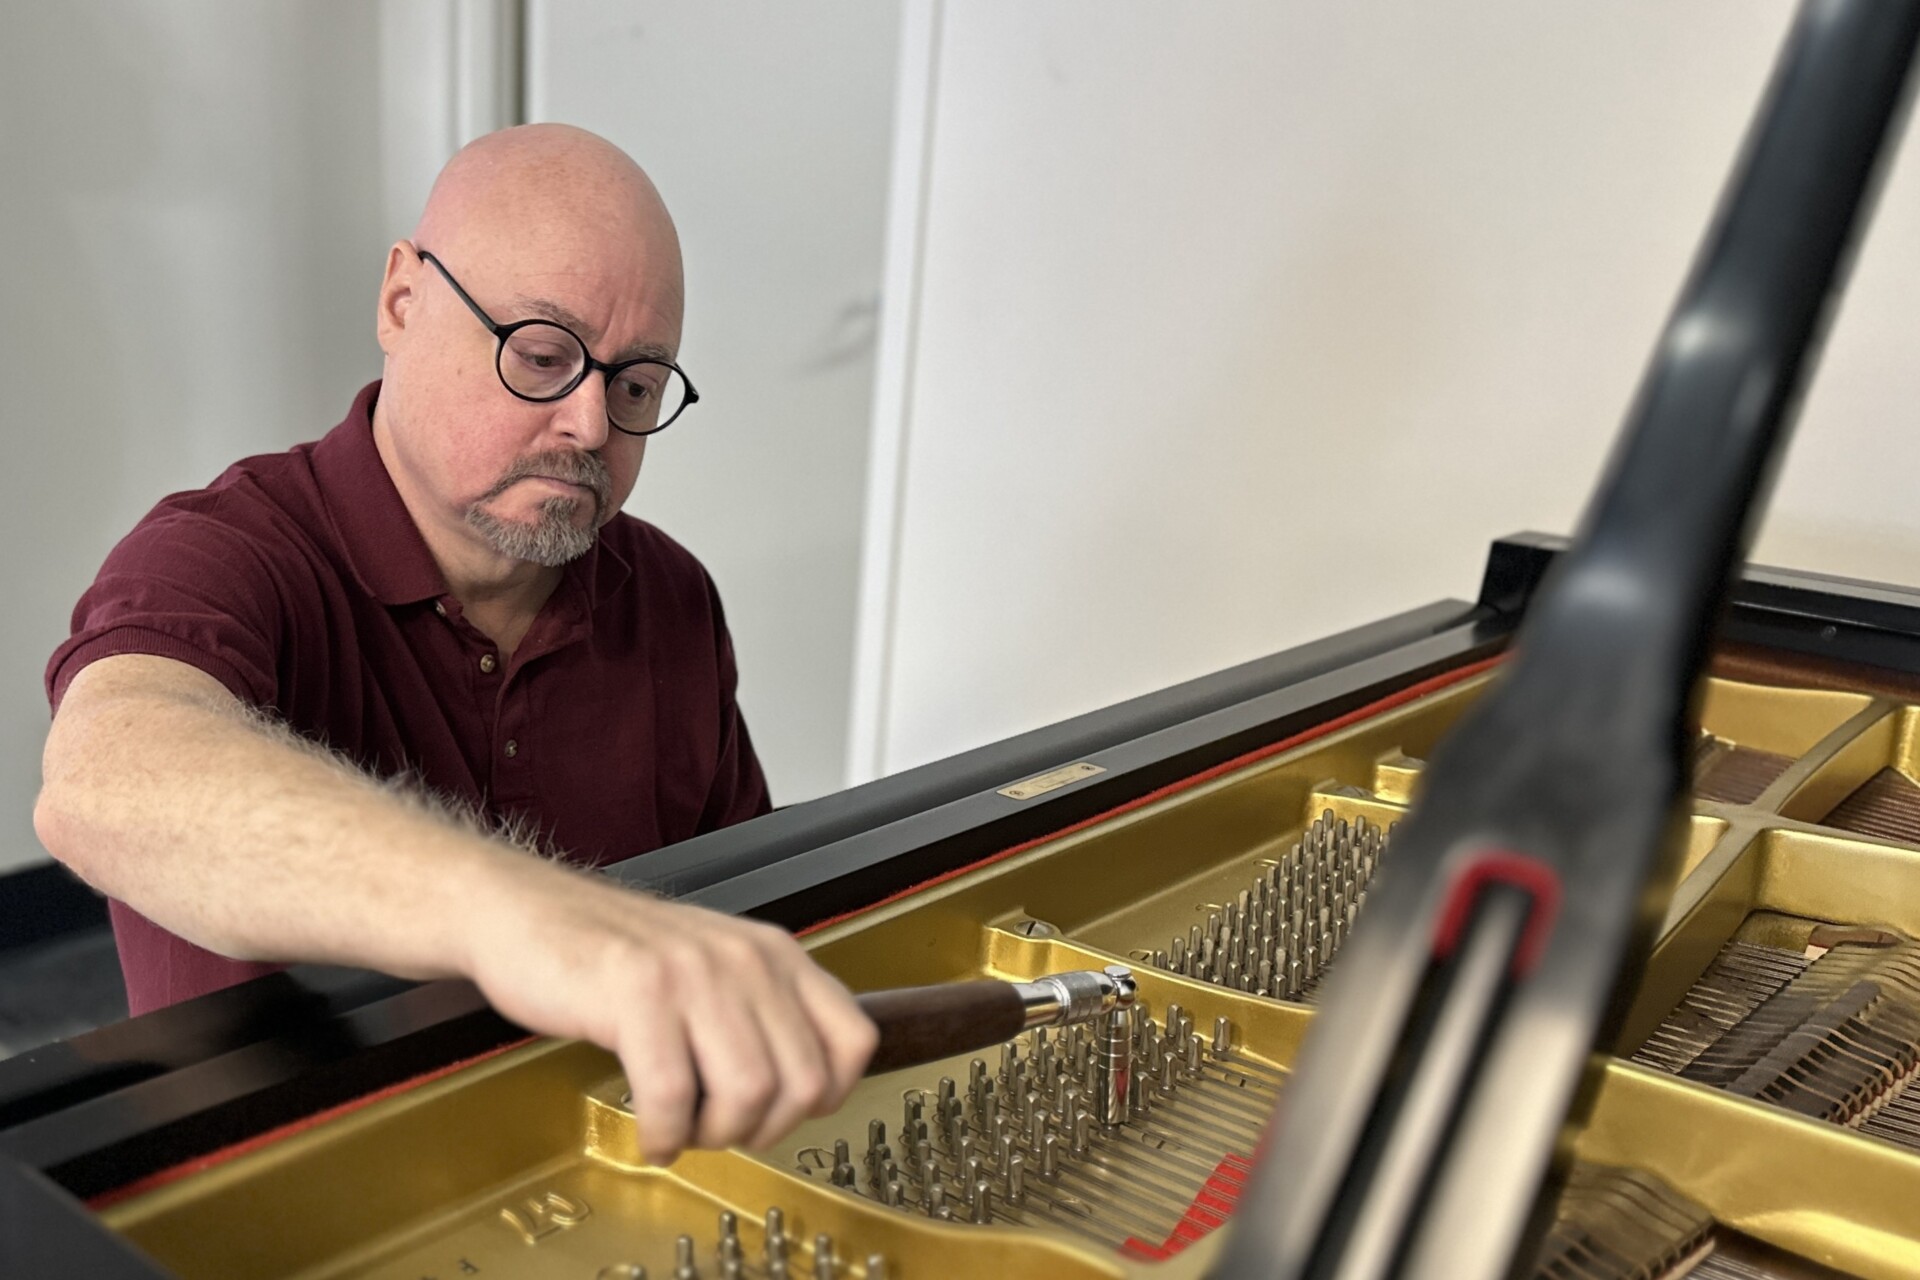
(925, 1024)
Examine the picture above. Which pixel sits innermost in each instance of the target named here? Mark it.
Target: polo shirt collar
(377, 534)
(602, 571)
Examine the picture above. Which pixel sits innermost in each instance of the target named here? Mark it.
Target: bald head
(552, 189)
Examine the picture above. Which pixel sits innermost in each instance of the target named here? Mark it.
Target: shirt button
(439, 608)
(512, 748)
(486, 665)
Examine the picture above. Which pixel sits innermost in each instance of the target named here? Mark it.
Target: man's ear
(396, 295)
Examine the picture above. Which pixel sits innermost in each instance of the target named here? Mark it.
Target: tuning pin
(823, 1264)
(929, 1184)
(982, 1201)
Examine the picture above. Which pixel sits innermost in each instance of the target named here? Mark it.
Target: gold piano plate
(1230, 898)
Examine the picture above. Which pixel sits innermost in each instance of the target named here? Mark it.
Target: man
(443, 591)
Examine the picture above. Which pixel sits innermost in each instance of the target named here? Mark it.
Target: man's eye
(541, 356)
(634, 391)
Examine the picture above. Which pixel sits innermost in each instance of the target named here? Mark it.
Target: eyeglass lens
(543, 361)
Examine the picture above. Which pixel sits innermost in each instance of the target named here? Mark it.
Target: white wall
(196, 206)
(190, 256)
(765, 125)
(1216, 328)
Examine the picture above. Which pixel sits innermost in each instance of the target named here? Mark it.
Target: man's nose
(581, 415)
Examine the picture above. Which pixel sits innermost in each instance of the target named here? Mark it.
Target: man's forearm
(164, 792)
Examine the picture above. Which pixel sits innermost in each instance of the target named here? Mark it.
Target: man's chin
(553, 538)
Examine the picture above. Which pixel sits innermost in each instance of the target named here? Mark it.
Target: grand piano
(327, 1123)
(1752, 1112)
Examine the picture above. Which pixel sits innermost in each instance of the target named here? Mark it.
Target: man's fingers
(806, 1079)
(735, 1065)
(847, 1033)
(660, 1074)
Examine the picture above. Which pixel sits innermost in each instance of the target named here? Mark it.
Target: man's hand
(695, 1003)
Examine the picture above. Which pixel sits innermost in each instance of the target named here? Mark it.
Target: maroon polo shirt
(299, 581)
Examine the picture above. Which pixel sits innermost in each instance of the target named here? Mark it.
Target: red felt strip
(1210, 1209)
(1388, 703)
(197, 1164)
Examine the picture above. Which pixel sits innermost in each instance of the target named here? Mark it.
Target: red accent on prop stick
(1501, 866)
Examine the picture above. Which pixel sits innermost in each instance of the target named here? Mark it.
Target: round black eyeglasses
(543, 361)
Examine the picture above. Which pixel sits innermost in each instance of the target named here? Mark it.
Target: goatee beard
(552, 539)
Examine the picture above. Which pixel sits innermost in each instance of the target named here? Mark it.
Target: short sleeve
(184, 585)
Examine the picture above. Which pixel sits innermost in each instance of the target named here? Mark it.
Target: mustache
(559, 464)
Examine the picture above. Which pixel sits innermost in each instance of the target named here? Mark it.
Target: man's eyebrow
(547, 309)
